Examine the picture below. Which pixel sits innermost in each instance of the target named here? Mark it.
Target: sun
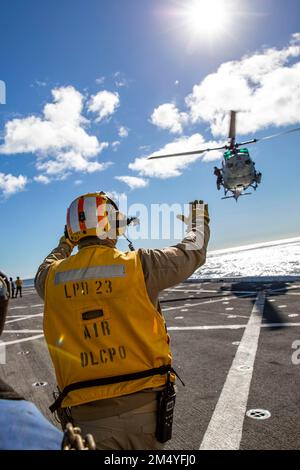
(206, 17)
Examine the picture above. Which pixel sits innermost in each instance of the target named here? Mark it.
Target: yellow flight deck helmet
(95, 215)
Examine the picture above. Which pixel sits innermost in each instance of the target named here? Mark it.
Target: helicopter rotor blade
(232, 126)
(297, 129)
(253, 141)
(182, 154)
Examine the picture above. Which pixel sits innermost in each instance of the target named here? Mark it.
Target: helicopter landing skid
(236, 198)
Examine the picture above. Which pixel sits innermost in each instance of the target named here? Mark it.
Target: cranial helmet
(94, 215)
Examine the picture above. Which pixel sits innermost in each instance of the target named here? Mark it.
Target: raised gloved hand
(198, 209)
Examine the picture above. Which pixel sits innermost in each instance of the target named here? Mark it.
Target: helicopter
(238, 172)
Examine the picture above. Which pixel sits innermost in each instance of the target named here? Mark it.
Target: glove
(197, 209)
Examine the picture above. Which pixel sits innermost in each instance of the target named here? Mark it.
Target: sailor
(258, 176)
(218, 174)
(12, 287)
(22, 425)
(19, 284)
(103, 325)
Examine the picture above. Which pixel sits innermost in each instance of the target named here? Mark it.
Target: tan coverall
(129, 422)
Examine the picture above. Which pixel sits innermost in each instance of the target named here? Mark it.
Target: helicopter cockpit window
(227, 155)
(243, 152)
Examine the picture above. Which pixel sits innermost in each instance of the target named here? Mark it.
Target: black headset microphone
(131, 221)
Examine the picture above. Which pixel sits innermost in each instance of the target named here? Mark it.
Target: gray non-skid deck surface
(206, 322)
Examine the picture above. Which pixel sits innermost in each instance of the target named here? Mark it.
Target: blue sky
(93, 87)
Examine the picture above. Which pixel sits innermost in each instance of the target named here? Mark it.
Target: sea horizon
(273, 258)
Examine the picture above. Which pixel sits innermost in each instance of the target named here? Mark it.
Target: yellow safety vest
(105, 337)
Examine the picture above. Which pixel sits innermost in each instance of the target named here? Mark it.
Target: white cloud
(68, 162)
(173, 166)
(40, 83)
(115, 145)
(167, 116)
(78, 182)
(123, 131)
(10, 184)
(58, 138)
(120, 80)
(100, 80)
(104, 104)
(42, 179)
(176, 82)
(133, 182)
(264, 87)
(295, 38)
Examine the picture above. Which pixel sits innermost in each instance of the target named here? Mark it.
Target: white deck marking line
(203, 303)
(224, 431)
(16, 316)
(24, 318)
(228, 327)
(30, 338)
(250, 292)
(201, 291)
(23, 331)
(37, 305)
(282, 289)
(234, 315)
(20, 318)
(15, 308)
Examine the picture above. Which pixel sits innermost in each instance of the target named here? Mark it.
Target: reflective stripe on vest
(101, 328)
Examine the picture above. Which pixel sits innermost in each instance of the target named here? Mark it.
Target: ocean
(28, 282)
(278, 258)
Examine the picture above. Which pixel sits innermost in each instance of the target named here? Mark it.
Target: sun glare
(206, 17)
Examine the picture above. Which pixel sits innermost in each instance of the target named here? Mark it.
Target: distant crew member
(19, 284)
(219, 175)
(12, 287)
(103, 325)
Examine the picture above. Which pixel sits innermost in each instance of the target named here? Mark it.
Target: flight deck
(235, 344)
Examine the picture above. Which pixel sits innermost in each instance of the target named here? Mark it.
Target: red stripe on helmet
(101, 218)
(99, 202)
(69, 228)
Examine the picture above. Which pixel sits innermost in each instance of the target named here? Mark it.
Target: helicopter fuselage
(238, 170)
